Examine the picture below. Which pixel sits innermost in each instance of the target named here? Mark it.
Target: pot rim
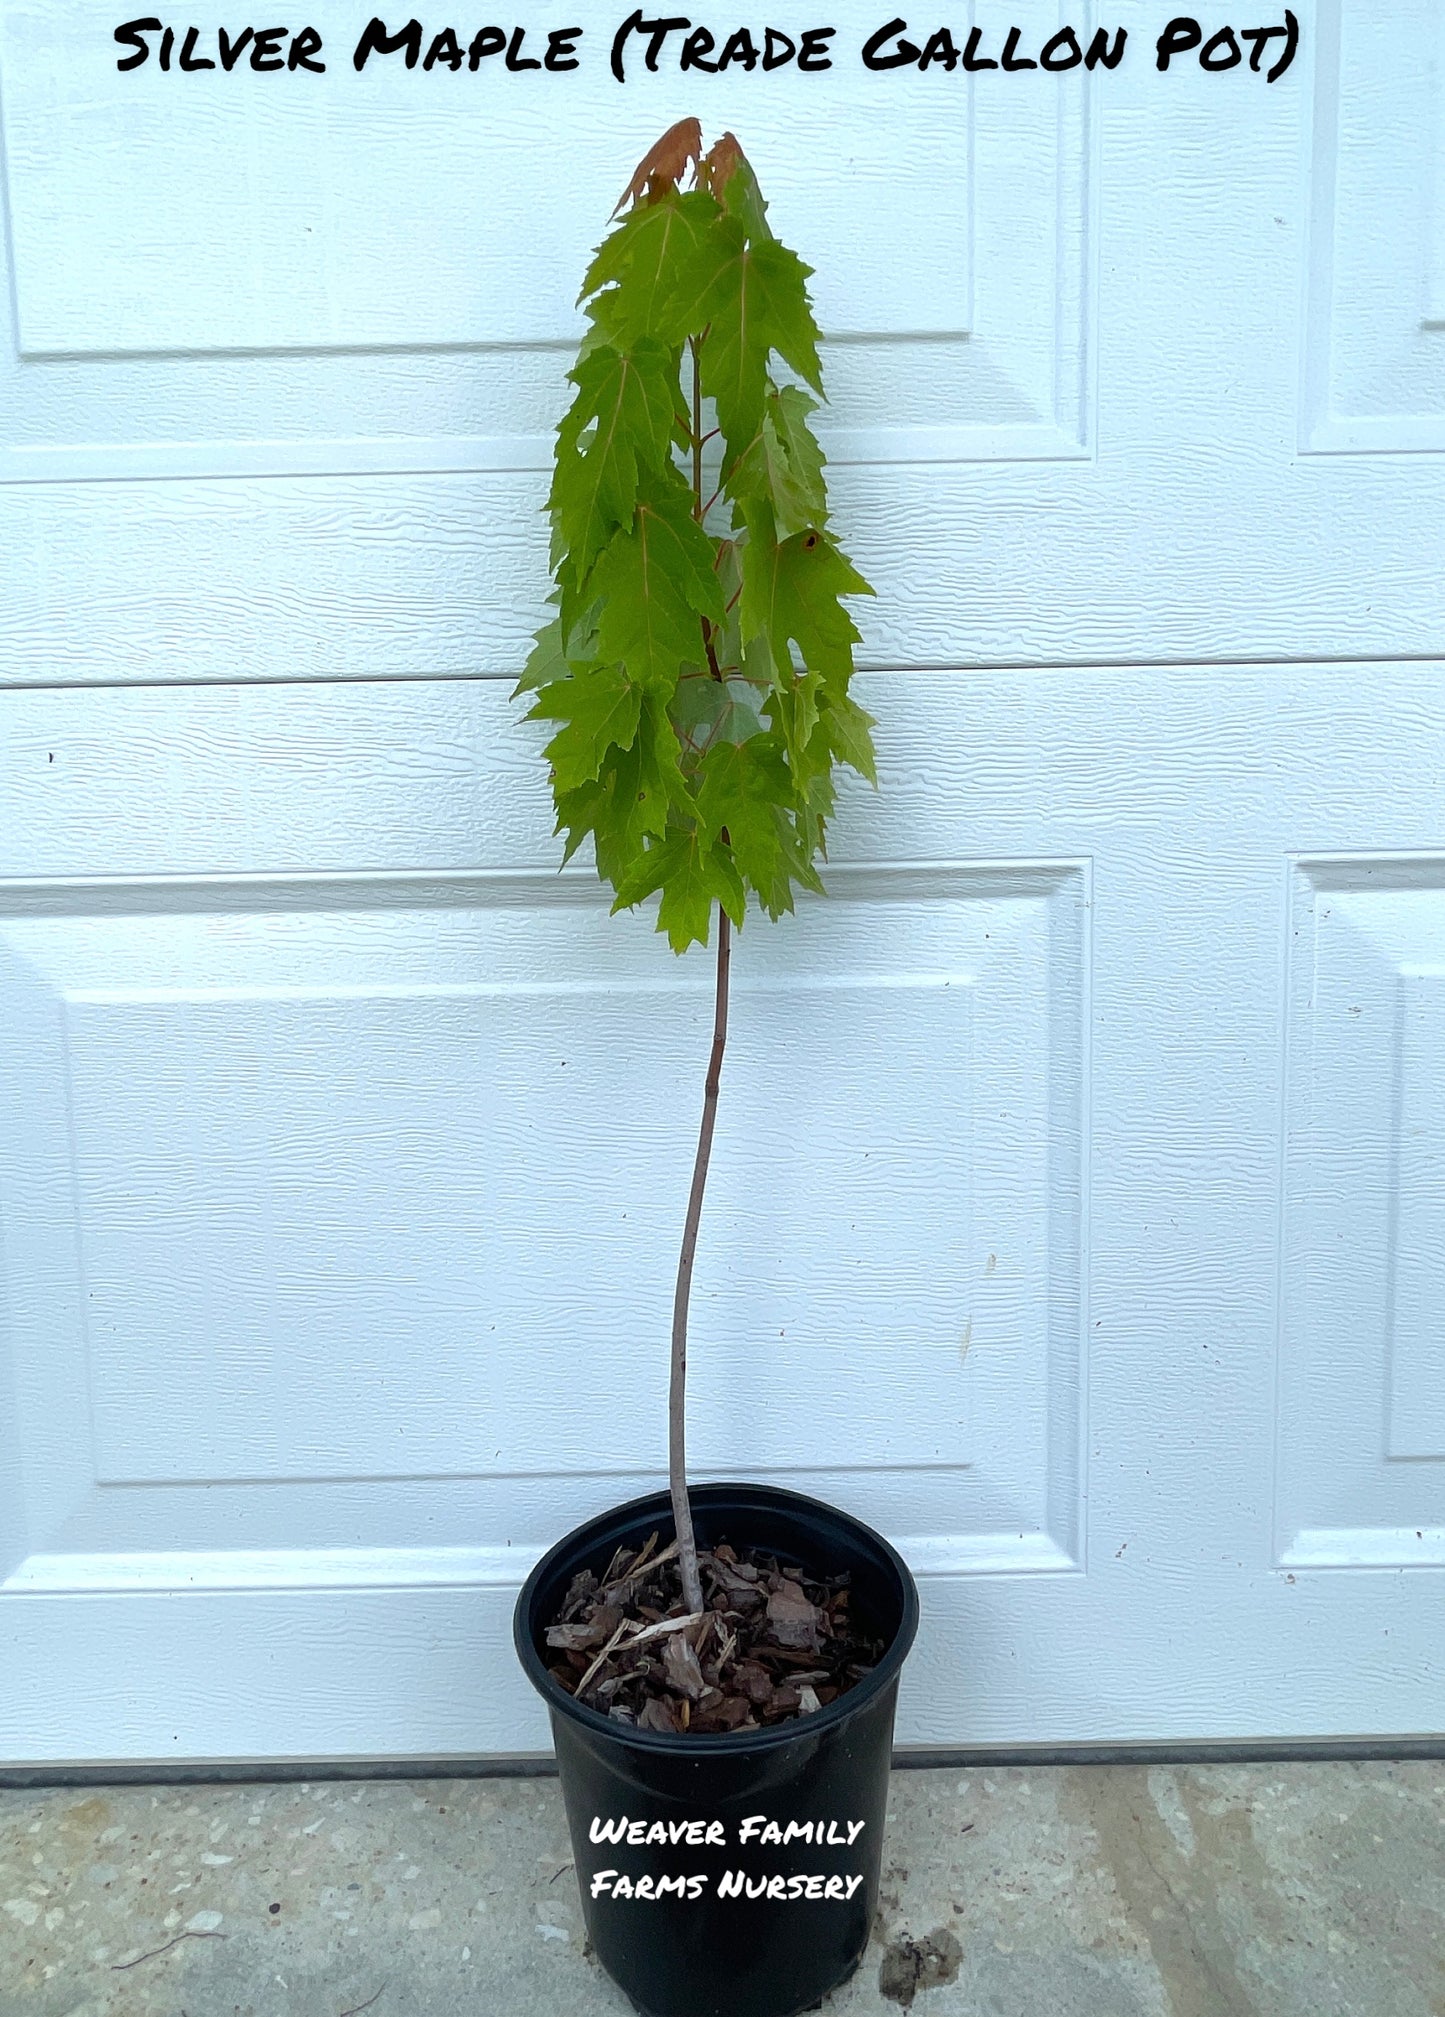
(730, 1743)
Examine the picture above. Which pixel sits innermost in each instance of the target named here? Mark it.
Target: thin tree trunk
(677, 1386)
(677, 1392)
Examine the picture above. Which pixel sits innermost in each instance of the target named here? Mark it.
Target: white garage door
(1078, 1212)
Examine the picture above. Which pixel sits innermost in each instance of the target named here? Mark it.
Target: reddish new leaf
(665, 162)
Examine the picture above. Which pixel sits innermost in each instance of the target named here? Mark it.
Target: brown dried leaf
(754, 1681)
(795, 1621)
(587, 1633)
(599, 1660)
(680, 1663)
(665, 162)
(720, 162)
(737, 1578)
(580, 1591)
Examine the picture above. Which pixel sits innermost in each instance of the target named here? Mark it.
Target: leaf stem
(697, 504)
(714, 670)
(677, 1391)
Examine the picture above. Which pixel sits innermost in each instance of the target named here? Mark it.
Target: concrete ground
(1306, 1890)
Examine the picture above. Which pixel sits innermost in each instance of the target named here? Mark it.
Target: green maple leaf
(693, 874)
(743, 789)
(790, 594)
(586, 809)
(629, 801)
(618, 428)
(742, 198)
(549, 659)
(637, 264)
(599, 709)
(782, 466)
(846, 728)
(656, 584)
(546, 662)
(793, 711)
(706, 711)
(661, 782)
(814, 807)
(751, 297)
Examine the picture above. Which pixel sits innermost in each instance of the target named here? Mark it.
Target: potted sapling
(720, 1662)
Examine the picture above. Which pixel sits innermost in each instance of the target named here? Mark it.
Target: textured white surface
(1074, 986)
(1141, 295)
(268, 317)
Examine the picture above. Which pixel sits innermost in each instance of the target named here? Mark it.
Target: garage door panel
(991, 1256)
(1374, 363)
(367, 1191)
(1363, 1432)
(287, 325)
(1080, 329)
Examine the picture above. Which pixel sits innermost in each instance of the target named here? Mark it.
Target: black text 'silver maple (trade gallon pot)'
(694, 678)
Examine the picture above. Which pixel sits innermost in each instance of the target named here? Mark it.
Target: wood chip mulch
(770, 1643)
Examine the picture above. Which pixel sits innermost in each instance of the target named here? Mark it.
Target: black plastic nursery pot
(730, 1875)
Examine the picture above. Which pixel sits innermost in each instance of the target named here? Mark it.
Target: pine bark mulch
(771, 1642)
